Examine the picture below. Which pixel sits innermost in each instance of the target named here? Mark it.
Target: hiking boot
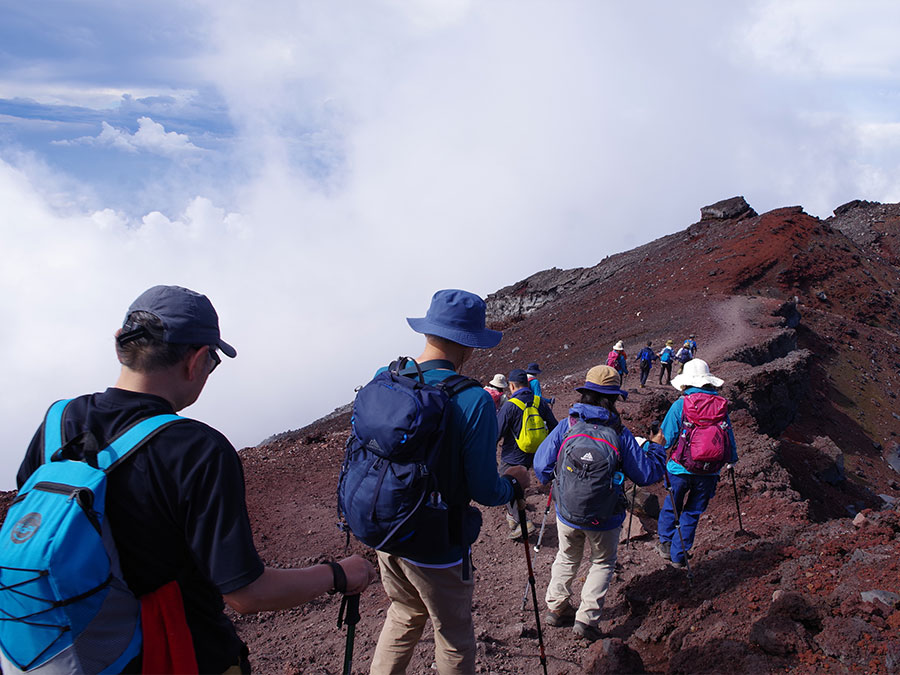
(517, 532)
(662, 548)
(587, 632)
(678, 564)
(562, 617)
(512, 523)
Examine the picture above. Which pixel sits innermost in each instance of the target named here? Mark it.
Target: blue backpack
(398, 491)
(64, 605)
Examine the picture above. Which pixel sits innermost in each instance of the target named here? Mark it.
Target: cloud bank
(345, 162)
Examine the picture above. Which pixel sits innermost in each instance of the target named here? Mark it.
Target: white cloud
(150, 137)
(810, 38)
(385, 150)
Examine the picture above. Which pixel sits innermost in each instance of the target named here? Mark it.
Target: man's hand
(360, 573)
(520, 473)
(658, 438)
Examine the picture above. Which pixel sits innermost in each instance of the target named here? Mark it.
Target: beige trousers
(568, 559)
(417, 594)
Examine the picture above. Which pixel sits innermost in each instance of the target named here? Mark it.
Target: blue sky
(276, 156)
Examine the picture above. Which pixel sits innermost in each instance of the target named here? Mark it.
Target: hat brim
(226, 348)
(609, 391)
(682, 382)
(483, 339)
(533, 371)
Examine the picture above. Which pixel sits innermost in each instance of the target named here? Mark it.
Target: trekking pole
(537, 615)
(737, 503)
(537, 546)
(687, 561)
(631, 515)
(351, 618)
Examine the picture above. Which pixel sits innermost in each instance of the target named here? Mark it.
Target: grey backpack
(588, 480)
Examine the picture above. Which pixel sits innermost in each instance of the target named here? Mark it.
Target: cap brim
(226, 348)
(483, 339)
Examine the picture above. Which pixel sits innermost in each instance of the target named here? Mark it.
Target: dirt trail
(738, 321)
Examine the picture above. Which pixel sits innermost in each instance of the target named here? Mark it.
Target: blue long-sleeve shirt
(642, 465)
(671, 428)
(535, 385)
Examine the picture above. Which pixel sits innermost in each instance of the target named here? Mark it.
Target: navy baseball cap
(457, 316)
(518, 376)
(188, 317)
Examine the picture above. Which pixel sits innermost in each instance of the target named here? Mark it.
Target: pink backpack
(703, 441)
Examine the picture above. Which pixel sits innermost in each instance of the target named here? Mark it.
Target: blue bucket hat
(457, 316)
(188, 317)
(533, 369)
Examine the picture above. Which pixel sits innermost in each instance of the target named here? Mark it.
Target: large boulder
(735, 207)
(611, 656)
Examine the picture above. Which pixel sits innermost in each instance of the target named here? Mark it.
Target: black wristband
(340, 579)
(518, 492)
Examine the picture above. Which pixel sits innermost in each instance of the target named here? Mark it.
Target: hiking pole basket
(737, 503)
(523, 523)
(687, 561)
(349, 614)
(537, 546)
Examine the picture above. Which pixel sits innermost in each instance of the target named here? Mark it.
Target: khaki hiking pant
(417, 594)
(568, 559)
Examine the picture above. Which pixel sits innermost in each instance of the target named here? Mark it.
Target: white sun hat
(619, 346)
(696, 374)
(499, 381)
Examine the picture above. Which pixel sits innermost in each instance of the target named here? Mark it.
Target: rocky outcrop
(735, 207)
(777, 346)
(774, 391)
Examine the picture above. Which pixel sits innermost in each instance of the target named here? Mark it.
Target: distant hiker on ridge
(691, 344)
(176, 504)
(683, 355)
(436, 582)
(588, 455)
(645, 357)
(497, 389)
(619, 360)
(522, 423)
(698, 433)
(533, 370)
(666, 357)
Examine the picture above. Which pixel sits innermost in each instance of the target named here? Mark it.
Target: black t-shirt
(177, 510)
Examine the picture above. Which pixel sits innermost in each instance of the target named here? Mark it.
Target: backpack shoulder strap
(537, 401)
(519, 403)
(131, 439)
(53, 428)
(456, 383)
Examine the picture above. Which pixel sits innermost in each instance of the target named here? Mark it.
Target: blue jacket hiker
(646, 357)
(594, 442)
(666, 358)
(690, 490)
(533, 370)
(432, 585)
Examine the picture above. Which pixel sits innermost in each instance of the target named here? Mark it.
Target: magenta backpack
(703, 441)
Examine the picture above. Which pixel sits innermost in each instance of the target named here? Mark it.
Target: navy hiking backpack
(588, 480)
(399, 491)
(64, 606)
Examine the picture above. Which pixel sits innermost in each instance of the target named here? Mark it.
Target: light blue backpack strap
(53, 428)
(131, 439)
